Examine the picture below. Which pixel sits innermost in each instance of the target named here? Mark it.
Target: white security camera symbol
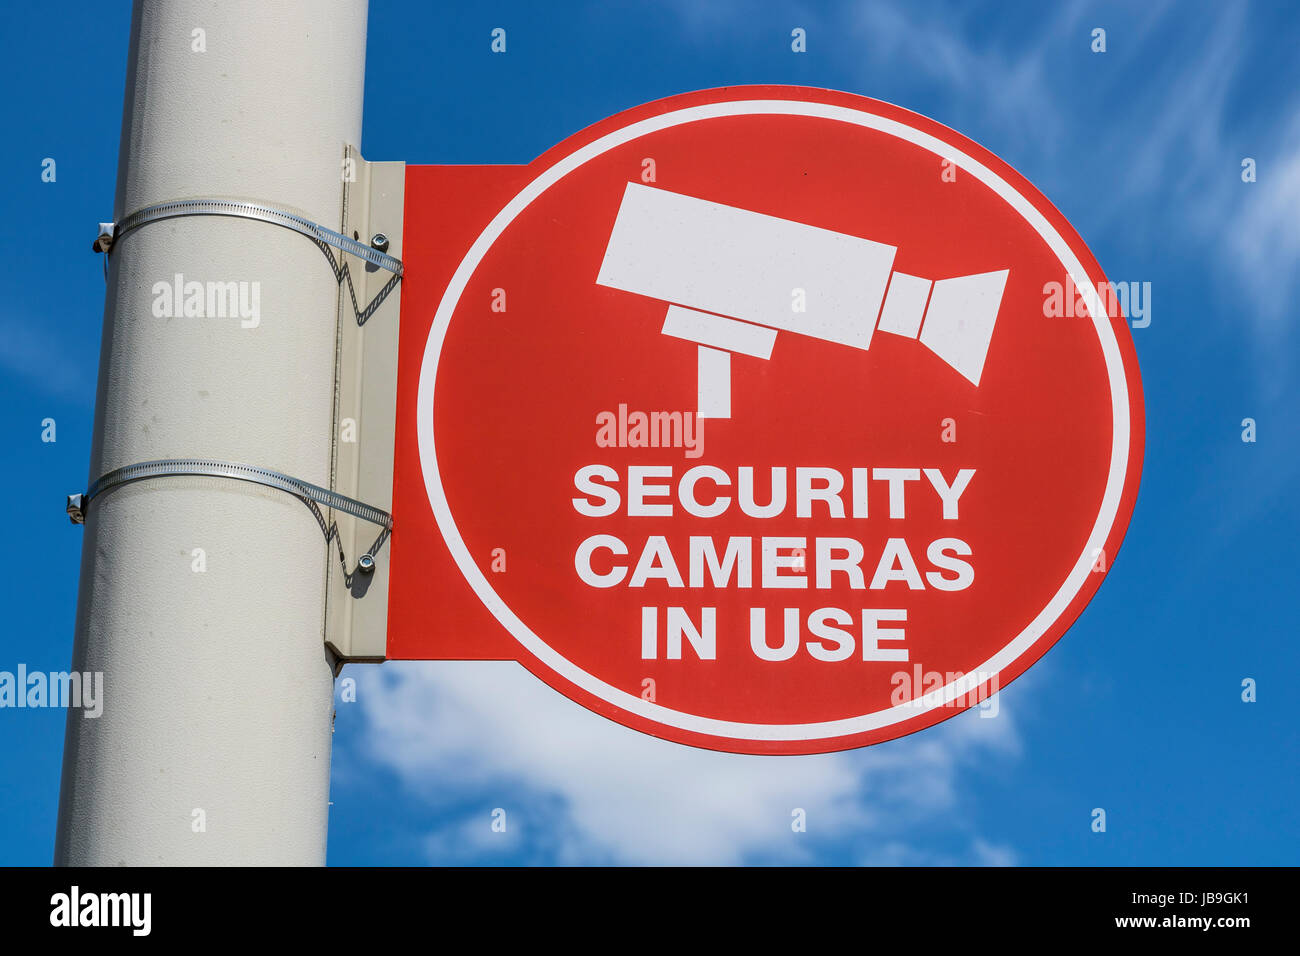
(729, 276)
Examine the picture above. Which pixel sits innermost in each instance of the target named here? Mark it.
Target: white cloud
(579, 788)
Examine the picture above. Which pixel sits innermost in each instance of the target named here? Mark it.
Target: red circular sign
(768, 396)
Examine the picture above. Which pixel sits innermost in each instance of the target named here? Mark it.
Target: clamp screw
(104, 241)
(366, 563)
(76, 509)
(379, 241)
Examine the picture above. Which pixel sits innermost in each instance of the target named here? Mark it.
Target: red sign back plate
(740, 418)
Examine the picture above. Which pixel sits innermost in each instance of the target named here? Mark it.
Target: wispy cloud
(1158, 173)
(1003, 82)
(1261, 235)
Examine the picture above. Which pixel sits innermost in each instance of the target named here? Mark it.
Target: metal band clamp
(246, 210)
(376, 253)
(311, 495)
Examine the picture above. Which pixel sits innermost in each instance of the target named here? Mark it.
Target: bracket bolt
(366, 563)
(379, 241)
(104, 240)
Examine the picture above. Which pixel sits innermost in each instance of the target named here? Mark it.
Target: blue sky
(1138, 710)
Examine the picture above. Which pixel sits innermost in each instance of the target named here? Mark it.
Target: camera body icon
(731, 278)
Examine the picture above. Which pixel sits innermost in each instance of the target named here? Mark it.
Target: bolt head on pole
(76, 509)
(379, 241)
(366, 563)
(104, 241)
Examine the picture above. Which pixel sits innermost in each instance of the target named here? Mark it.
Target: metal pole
(202, 599)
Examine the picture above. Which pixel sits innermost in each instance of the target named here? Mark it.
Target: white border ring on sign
(822, 730)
